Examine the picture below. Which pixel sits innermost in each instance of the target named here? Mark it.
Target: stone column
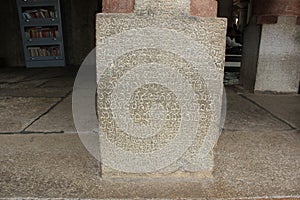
(160, 87)
(117, 6)
(278, 68)
(204, 8)
(272, 63)
(243, 17)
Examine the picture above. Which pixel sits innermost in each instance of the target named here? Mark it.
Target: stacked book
(39, 13)
(44, 51)
(41, 32)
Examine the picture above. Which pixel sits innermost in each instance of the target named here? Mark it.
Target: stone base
(160, 87)
(108, 173)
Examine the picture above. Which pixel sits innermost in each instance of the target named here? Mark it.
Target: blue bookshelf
(42, 36)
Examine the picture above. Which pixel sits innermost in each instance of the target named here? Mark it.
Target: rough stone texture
(278, 63)
(18, 113)
(59, 119)
(248, 165)
(170, 66)
(118, 6)
(201, 8)
(204, 8)
(162, 7)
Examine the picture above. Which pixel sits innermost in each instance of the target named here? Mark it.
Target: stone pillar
(162, 7)
(204, 8)
(117, 6)
(160, 86)
(243, 18)
(278, 68)
(251, 44)
(272, 65)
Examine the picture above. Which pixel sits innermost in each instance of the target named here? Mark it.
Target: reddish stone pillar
(118, 6)
(204, 8)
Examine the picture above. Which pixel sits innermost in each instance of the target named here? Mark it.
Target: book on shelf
(44, 51)
(41, 32)
(38, 13)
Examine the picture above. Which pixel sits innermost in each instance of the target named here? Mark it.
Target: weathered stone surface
(285, 107)
(243, 115)
(160, 89)
(35, 92)
(162, 7)
(278, 62)
(204, 8)
(251, 164)
(117, 6)
(17, 113)
(60, 82)
(59, 119)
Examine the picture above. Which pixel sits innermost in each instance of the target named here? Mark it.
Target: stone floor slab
(17, 113)
(12, 75)
(256, 164)
(59, 119)
(243, 115)
(59, 82)
(258, 155)
(285, 107)
(22, 84)
(35, 92)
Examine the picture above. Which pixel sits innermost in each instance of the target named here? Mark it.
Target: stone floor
(257, 156)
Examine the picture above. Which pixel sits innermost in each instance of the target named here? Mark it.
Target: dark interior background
(78, 18)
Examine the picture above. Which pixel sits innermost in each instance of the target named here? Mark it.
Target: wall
(278, 67)
(277, 7)
(225, 9)
(78, 25)
(11, 51)
(79, 28)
